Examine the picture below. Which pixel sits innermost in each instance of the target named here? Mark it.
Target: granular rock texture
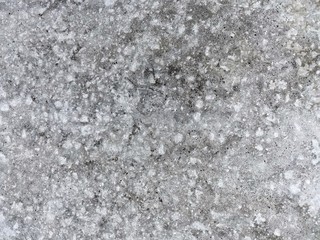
(160, 119)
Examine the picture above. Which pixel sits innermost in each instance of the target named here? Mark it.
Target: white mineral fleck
(4, 107)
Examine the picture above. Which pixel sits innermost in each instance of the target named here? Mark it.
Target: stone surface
(160, 120)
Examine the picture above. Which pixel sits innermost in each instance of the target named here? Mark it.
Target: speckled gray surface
(158, 119)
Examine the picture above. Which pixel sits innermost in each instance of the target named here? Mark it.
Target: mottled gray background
(159, 119)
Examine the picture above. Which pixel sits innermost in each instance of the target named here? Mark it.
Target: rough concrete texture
(160, 119)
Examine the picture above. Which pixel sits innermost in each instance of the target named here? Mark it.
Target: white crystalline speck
(4, 107)
(181, 29)
(3, 158)
(259, 219)
(277, 232)
(211, 136)
(84, 119)
(199, 104)
(294, 188)
(62, 160)
(58, 104)
(161, 150)
(197, 116)
(199, 226)
(3, 94)
(259, 132)
(28, 100)
(178, 138)
(220, 183)
(86, 130)
(109, 2)
(259, 147)
(288, 174)
(5, 231)
(194, 160)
